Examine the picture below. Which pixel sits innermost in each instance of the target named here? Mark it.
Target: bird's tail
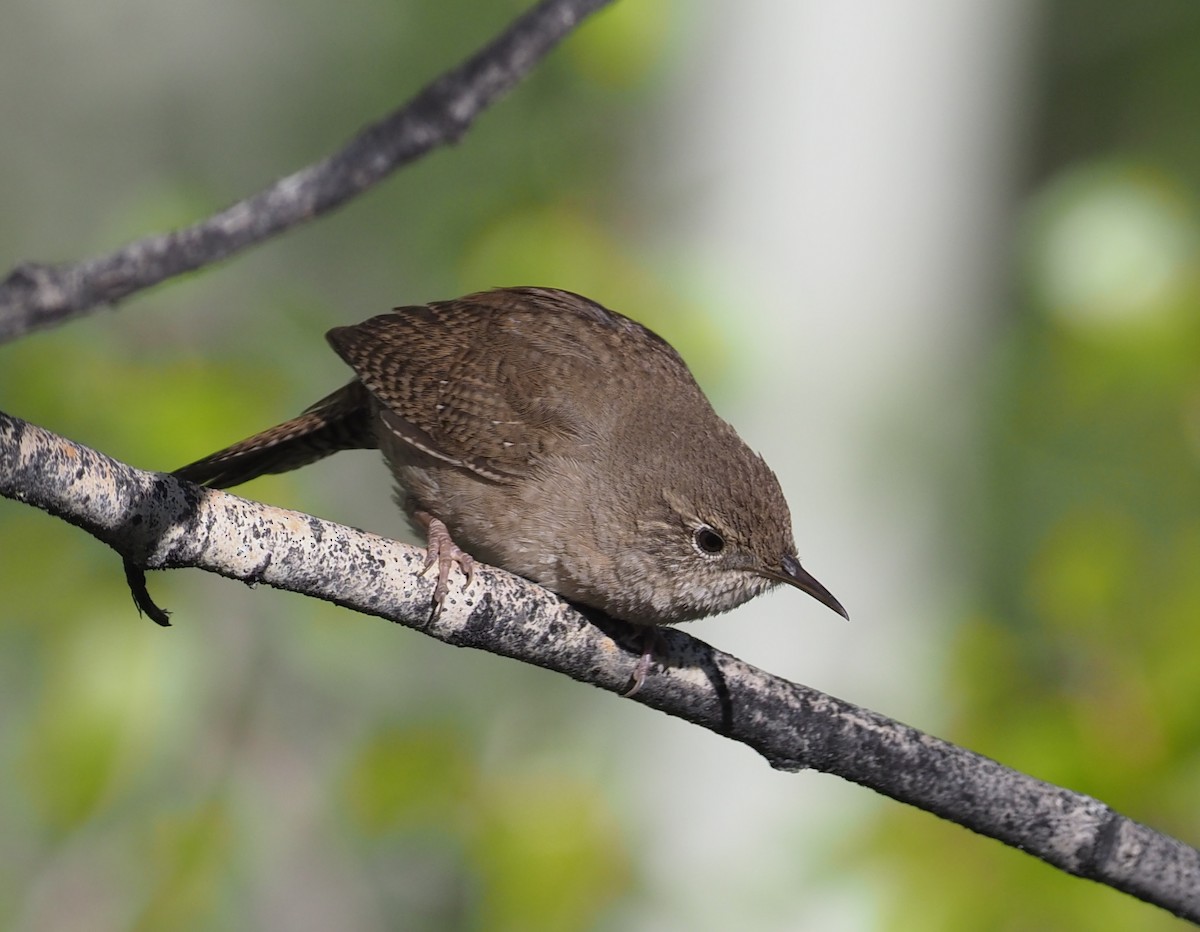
(341, 421)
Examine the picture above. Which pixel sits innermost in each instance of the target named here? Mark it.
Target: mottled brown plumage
(556, 439)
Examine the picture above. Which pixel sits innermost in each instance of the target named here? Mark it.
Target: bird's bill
(794, 574)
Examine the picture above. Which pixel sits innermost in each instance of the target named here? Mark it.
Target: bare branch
(158, 521)
(36, 296)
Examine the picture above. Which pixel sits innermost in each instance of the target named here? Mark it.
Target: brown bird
(543, 433)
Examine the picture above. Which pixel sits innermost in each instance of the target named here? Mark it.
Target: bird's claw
(443, 553)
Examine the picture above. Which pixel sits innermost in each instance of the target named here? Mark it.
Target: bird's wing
(472, 382)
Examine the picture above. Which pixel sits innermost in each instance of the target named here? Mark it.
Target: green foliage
(1079, 665)
(550, 858)
(189, 861)
(410, 779)
(538, 850)
(184, 778)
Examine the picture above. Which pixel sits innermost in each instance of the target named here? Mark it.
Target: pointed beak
(795, 575)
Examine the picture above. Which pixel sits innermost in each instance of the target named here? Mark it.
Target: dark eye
(707, 540)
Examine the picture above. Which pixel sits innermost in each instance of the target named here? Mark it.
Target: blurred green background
(958, 313)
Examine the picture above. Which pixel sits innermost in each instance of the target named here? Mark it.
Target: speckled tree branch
(35, 295)
(158, 521)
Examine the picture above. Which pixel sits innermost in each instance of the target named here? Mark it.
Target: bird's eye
(707, 540)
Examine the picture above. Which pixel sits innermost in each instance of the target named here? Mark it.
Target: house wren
(545, 434)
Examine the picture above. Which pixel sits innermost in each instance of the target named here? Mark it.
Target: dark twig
(35, 296)
(156, 520)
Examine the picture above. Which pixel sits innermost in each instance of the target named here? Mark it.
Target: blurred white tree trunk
(845, 172)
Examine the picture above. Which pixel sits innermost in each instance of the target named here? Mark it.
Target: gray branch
(36, 296)
(157, 521)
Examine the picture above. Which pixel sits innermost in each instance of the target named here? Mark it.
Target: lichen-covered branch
(155, 520)
(34, 295)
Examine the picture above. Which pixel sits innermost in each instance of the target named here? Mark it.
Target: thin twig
(35, 296)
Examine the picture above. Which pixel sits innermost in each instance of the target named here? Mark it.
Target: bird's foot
(652, 640)
(443, 553)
